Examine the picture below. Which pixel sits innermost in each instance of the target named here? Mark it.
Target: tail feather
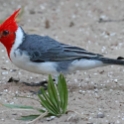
(120, 58)
(112, 61)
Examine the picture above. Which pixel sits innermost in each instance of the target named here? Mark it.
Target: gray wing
(42, 49)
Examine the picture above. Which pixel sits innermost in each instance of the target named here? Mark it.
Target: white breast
(22, 60)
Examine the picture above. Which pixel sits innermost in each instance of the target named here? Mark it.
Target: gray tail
(118, 61)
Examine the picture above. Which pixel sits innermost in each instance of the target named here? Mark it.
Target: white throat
(18, 39)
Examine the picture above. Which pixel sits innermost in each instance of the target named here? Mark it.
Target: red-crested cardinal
(44, 55)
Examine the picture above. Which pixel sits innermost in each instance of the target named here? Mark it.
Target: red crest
(10, 23)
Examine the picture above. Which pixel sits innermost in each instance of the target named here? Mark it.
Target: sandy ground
(96, 25)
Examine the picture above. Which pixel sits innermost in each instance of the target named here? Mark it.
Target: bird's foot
(42, 83)
(13, 80)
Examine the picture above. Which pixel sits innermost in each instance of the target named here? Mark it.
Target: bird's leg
(13, 80)
(42, 83)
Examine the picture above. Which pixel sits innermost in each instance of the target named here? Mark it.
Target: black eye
(5, 32)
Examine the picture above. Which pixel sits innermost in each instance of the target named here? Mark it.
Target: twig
(39, 117)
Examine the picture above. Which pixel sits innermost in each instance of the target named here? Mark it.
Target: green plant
(54, 100)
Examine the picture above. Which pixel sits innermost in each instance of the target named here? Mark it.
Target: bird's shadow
(31, 85)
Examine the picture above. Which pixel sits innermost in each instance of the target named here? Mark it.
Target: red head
(7, 31)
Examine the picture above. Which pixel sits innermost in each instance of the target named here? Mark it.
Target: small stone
(96, 90)
(4, 72)
(32, 12)
(115, 80)
(42, 7)
(2, 119)
(50, 118)
(73, 16)
(118, 122)
(71, 24)
(100, 115)
(47, 24)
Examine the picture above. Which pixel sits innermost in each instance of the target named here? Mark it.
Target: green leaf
(41, 110)
(18, 106)
(53, 93)
(29, 117)
(63, 92)
(45, 102)
(55, 100)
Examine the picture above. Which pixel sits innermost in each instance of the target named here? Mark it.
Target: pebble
(115, 80)
(100, 115)
(82, 91)
(2, 119)
(50, 118)
(42, 7)
(118, 122)
(5, 73)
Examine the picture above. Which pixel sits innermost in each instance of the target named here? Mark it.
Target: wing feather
(42, 49)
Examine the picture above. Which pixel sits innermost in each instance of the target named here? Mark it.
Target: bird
(45, 55)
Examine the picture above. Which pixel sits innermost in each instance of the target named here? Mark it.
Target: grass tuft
(54, 101)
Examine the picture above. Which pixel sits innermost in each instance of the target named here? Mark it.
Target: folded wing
(42, 49)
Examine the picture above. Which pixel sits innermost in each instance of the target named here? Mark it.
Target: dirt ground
(96, 25)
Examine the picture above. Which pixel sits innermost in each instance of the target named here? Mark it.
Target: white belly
(85, 64)
(23, 61)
